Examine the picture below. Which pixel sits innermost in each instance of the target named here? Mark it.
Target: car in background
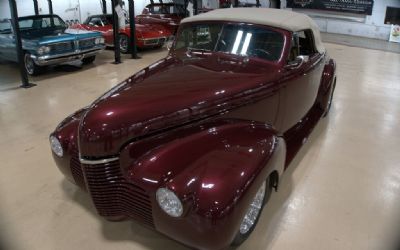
(47, 41)
(170, 13)
(147, 35)
(194, 144)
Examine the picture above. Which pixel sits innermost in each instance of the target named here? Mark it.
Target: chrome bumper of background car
(154, 41)
(66, 57)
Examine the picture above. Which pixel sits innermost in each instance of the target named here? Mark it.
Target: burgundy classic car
(168, 14)
(148, 35)
(193, 145)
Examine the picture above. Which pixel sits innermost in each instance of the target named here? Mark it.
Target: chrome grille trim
(96, 162)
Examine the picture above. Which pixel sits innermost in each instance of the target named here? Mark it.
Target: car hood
(59, 36)
(169, 93)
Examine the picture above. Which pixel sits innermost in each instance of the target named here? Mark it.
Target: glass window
(5, 27)
(26, 24)
(96, 21)
(41, 23)
(238, 39)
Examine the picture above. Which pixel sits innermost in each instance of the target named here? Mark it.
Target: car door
(7, 41)
(303, 74)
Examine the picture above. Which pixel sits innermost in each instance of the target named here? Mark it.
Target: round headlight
(44, 49)
(56, 146)
(169, 202)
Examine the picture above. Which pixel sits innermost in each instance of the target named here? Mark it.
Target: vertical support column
(132, 29)
(50, 7)
(18, 43)
(104, 3)
(36, 7)
(117, 50)
(195, 7)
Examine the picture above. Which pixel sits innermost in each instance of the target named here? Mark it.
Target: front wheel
(88, 60)
(253, 213)
(30, 65)
(124, 43)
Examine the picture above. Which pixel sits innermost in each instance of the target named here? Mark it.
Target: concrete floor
(341, 192)
(361, 42)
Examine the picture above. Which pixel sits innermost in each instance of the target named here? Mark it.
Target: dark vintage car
(147, 35)
(47, 41)
(168, 14)
(193, 145)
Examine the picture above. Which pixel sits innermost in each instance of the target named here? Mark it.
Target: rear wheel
(88, 60)
(30, 65)
(124, 43)
(253, 213)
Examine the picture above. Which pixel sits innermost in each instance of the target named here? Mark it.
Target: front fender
(215, 169)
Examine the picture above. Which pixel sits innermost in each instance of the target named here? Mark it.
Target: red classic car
(168, 14)
(148, 35)
(194, 144)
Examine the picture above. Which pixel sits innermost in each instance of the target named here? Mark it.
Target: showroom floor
(341, 192)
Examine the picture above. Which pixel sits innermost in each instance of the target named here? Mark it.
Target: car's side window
(302, 44)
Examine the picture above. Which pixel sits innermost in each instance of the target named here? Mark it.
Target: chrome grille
(76, 170)
(87, 43)
(113, 196)
(61, 47)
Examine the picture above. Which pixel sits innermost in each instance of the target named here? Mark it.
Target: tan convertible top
(283, 19)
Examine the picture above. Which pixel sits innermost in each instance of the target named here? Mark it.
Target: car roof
(284, 19)
(101, 15)
(36, 16)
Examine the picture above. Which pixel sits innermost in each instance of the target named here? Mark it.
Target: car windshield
(166, 9)
(41, 22)
(237, 39)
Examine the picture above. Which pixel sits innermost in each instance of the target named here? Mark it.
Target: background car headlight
(169, 202)
(56, 146)
(99, 40)
(43, 50)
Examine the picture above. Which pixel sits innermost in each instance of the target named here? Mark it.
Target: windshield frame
(285, 34)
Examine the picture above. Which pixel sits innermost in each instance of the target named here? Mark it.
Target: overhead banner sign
(353, 6)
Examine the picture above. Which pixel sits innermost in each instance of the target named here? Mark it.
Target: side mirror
(298, 62)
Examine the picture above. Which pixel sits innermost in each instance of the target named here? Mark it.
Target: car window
(26, 24)
(96, 21)
(302, 44)
(5, 27)
(238, 39)
(40, 22)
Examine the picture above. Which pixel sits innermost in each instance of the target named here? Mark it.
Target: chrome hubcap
(253, 211)
(123, 44)
(29, 64)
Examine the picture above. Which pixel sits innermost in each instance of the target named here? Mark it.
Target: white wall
(63, 8)
(352, 24)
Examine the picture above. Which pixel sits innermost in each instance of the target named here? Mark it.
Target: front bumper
(152, 42)
(66, 57)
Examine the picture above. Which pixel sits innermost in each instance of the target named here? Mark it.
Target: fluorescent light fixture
(246, 44)
(237, 42)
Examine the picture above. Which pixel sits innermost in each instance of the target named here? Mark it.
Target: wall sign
(353, 6)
